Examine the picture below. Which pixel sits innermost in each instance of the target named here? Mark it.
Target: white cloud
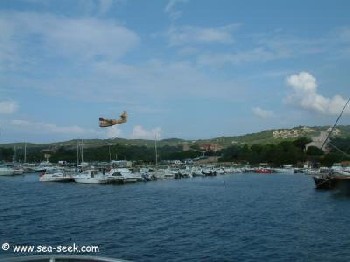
(303, 82)
(90, 38)
(105, 6)
(49, 128)
(254, 55)
(264, 48)
(8, 107)
(343, 34)
(199, 35)
(113, 132)
(171, 10)
(47, 36)
(304, 95)
(140, 133)
(155, 80)
(262, 113)
(8, 48)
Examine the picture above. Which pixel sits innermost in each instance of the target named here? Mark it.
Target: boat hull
(331, 182)
(324, 182)
(57, 179)
(91, 180)
(6, 172)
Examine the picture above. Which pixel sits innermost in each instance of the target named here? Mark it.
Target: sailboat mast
(155, 148)
(335, 124)
(82, 151)
(14, 154)
(77, 153)
(25, 152)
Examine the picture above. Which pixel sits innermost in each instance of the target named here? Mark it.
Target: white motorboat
(170, 173)
(43, 166)
(6, 171)
(18, 170)
(121, 176)
(197, 171)
(339, 169)
(55, 175)
(91, 176)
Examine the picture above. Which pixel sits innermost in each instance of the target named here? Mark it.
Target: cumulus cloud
(304, 94)
(303, 82)
(113, 132)
(8, 107)
(141, 133)
(262, 113)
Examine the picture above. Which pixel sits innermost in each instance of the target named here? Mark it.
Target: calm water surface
(239, 217)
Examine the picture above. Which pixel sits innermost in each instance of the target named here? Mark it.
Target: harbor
(176, 130)
(232, 217)
(127, 172)
(122, 172)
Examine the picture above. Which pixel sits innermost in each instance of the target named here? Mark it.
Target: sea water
(235, 217)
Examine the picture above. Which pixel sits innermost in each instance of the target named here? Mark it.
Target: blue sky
(180, 68)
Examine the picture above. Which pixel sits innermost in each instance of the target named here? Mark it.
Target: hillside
(263, 137)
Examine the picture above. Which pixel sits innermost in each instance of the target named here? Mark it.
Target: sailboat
(84, 173)
(334, 179)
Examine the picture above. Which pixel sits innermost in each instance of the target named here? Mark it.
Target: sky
(191, 69)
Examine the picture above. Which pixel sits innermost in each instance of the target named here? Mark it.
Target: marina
(232, 217)
(102, 173)
(174, 130)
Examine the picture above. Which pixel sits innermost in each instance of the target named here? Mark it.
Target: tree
(302, 142)
(6, 154)
(314, 151)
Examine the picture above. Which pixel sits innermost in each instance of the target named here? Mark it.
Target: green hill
(263, 137)
(143, 149)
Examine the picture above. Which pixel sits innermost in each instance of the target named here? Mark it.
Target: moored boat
(324, 181)
(209, 171)
(18, 170)
(43, 166)
(333, 181)
(121, 176)
(55, 175)
(337, 177)
(263, 170)
(90, 176)
(6, 171)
